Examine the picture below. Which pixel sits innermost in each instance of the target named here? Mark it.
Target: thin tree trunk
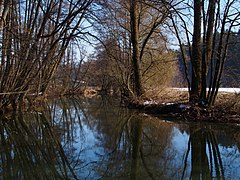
(208, 48)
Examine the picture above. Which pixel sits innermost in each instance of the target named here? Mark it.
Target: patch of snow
(149, 102)
(146, 115)
(169, 103)
(227, 90)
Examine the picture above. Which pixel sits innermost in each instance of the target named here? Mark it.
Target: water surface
(78, 138)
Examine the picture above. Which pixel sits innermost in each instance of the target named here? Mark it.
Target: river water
(80, 138)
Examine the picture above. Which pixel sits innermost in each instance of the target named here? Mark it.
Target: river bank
(170, 101)
(175, 103)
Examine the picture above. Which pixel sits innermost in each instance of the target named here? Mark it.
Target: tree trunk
(208, 48)
(196, 54)
(137, 79)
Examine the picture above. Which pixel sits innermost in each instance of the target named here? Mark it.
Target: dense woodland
(140, 46)
(230, 77)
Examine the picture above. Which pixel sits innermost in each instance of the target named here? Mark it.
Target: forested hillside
(231, 71)
(231, 74)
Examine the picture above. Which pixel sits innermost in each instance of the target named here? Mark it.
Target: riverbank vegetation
(141, 50)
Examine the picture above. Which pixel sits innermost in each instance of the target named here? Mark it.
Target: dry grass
(168, 95)
(230, 101)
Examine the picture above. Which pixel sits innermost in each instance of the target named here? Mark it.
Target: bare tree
(136, 27)
(34, 38)
(213, 22)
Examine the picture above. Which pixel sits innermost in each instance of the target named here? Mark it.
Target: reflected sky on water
(79, 138)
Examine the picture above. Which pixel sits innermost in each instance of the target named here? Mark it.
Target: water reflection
(30, 149)
(206, 161)
(98, 139)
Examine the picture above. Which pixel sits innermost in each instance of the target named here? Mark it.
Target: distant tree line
(231, 70)
(207, 28)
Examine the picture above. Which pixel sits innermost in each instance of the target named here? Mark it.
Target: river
(96, 138)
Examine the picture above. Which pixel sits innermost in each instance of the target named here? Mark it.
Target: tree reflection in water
(209, 158)
(136, 138)
(98, 139)
(206, 162)
(30, 149)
